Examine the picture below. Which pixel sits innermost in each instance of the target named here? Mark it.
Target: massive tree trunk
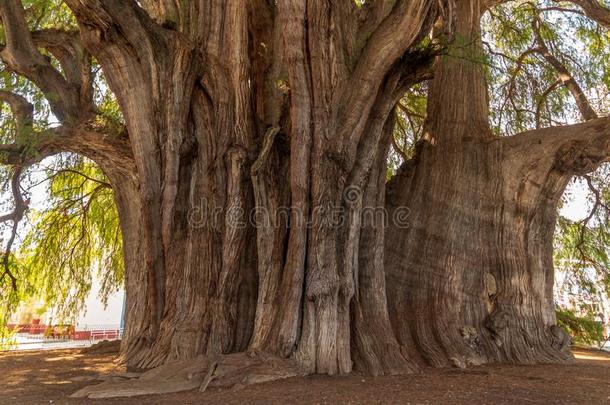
(260, 170)
(470, 276)
(252, 201)
(195, 260)
(261, 140)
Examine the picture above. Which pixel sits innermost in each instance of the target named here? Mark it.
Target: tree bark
(255, 114)
(251, 183)
(470, 278)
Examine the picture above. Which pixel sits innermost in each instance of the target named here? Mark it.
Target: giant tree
(252, 164)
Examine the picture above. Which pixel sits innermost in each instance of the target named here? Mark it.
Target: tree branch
(595, 11)
(109, 20)
(74, 59)
(109, 149)
(406, 25)
(518, 68)
(399, 80)
(164, 12)
(542, 101)
(20, 55)
(584, 224)
(395, 145)
(79, 173)
(575, 149)
(370, 15)
(587, 112)
(22, 110)
(15, 216)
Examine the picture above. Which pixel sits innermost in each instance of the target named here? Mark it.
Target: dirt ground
(44, 377)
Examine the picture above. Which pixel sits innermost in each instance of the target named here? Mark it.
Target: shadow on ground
(39, 377)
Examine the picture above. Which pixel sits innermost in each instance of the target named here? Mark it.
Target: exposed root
(103, 347)
(228, 371)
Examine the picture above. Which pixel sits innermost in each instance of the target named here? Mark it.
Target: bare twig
(15, 216)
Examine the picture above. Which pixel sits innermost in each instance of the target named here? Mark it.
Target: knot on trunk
(491, 286)
(471, 337)
(579, 158)
(236, 155)
(560, 339)
(497, 321)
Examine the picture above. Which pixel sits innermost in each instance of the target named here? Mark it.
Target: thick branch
(74, 59)
(165, 12)
(20, 54)
(110, 149)
(573, 149)
(595, 11)
(400, 79)
(110, 20)
(407, 24)
(587, 112)
(371, 15)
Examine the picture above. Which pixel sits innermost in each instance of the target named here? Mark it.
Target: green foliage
(74, 238)
(522, 84)
(9, 300)
(79, 231)
(584, 330)
(7, 339)
(75, 235)
(582, 247)
(584, 250)
(49, 14)
(582, 255)
(410, 117)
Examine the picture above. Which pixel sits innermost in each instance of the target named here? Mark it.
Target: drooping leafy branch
(74, 238)
(581, 246)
